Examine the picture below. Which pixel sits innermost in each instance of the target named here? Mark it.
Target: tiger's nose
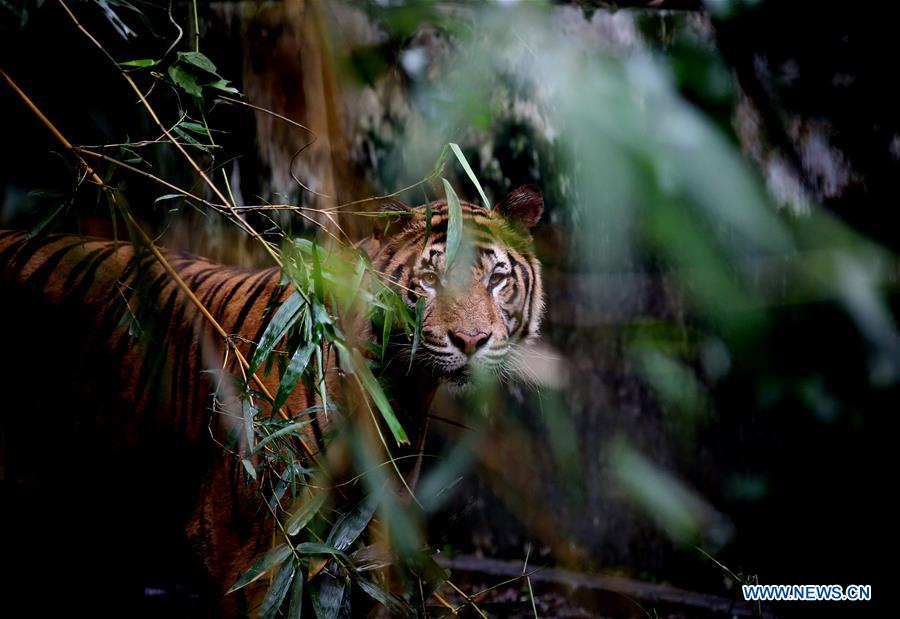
(469, 343)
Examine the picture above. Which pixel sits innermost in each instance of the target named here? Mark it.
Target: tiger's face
(488, 302)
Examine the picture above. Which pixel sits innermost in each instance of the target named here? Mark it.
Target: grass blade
(454, 225)
(472, 177)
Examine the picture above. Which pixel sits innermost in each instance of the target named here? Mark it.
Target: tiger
(109, 373)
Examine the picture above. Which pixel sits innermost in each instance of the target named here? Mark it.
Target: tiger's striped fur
(110, 365)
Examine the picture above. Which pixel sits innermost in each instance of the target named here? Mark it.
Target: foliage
(640, 168)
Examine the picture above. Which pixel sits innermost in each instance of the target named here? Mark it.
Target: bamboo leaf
(371, 385)
(292, 373)
(283, 320)
(248, 466)
(248, 412)
(351, 525)
(300, 518)
(315, 548)
(267, 562)
(318, 285)
(141, 63)
(417, 332)
(278, 589)
(472, 177)
(168, 196)
(295, 609)
(386, 331)
(329, 598)
(290, 429)
(396, 606)
(187, 137)
(194, 127)
(454, 225)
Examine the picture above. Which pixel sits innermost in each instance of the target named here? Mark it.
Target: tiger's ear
(524, 204)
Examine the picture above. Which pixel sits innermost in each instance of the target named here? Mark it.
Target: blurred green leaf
(420, 316)
(397, 606)
(454, 226)
(371, 385)
(472, 177)
(300, 518)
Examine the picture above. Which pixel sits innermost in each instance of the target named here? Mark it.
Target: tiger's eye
(497, 279)
(429, 279)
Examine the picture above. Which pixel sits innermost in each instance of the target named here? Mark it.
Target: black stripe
(250, 302)
(79, 268)
(25, 251)
(38, 279)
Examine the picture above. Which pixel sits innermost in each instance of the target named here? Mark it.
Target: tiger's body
(109, 371)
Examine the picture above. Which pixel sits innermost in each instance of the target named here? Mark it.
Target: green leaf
(351, 525)
(186, 80)
(417, 332)
(317, 273)
(307, 512)
(396, 606)
(187, 137)
(195, 127)
(267, 562)
(295, 610)
(198, 60)
(439, 164)
(292, 374)
(386, 331)
(223, 85)
(371, 385)
(284, 319)
(278, 589)
(472, 177)
(248, 466)
(168, 196)
(290, 429)
(329, 598)
(454, 226)
(315, 548)
(141, 62)
(248, 412)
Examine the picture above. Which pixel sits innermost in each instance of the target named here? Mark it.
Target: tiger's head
(488, 302)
